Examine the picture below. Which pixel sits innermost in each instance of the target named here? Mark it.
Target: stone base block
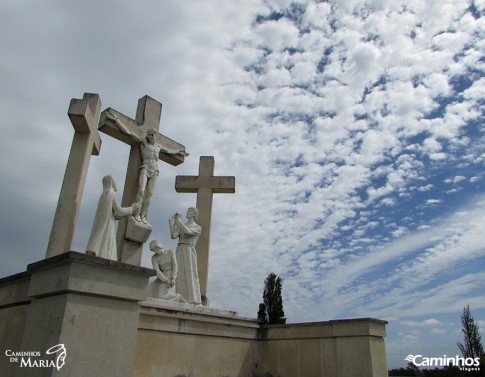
(97, 309)
(137, 231)
(88, 305)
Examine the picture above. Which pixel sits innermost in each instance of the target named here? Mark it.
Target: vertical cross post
(132, 234)
(84, 115)
(205, 185)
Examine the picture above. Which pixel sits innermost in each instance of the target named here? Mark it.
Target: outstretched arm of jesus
(122, 127)
(174, 151)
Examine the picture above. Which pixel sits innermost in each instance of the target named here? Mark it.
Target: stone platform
(97, 309)
(156, 303)
(197, 343)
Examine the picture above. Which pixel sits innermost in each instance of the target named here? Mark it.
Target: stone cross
(132, 234)
(205, 185)
(84, 115)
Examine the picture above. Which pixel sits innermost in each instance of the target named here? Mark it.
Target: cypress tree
(271, 309)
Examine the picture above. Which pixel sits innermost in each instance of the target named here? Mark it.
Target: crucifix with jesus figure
(147, 147)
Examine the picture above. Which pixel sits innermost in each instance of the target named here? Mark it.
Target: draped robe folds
(187, 282)
(166, 267)
(102, 239)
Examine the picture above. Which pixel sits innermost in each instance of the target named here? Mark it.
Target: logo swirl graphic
(411, 358)
(61, 357)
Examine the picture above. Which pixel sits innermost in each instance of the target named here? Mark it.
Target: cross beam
(205, 185)
(84, 115)
(148, 115)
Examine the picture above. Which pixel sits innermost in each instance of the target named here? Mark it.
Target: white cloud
(277, 35)
(431, 322)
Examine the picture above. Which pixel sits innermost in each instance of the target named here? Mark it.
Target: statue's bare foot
(144, 220)
(138, 218)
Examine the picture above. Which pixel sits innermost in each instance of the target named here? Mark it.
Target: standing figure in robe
(187, 283)
(102, 241)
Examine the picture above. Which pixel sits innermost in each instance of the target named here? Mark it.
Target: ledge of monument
(82, 257)
(17, 276)
(158, 303)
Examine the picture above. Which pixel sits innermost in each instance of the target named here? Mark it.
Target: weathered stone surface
(136, 232)
(239, 347)
(87, 303)
(90, 305)
(155, 303)
(84, 115)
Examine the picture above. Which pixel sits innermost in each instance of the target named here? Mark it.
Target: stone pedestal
(88, 304)
(137, 232)
(96, 309)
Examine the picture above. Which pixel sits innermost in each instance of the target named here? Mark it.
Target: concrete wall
(194, 343)
(88, 304)
(92, 306)
(351, 348)
(14, 306)
(202, 343)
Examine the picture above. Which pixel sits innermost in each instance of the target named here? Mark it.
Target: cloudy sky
(354, 129)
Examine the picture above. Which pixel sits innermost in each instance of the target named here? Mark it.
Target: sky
(354, 130)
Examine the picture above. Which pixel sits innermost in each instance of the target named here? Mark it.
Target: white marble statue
(150, 151)
(165, 264)
(187, 283)
(102, 241)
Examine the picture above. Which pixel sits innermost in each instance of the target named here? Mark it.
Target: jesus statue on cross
(150, 151)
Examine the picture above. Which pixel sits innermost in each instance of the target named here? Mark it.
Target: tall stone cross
(132, 234)
(84, 115)
(205, 185)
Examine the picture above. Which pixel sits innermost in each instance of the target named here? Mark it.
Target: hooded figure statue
(102, 241)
